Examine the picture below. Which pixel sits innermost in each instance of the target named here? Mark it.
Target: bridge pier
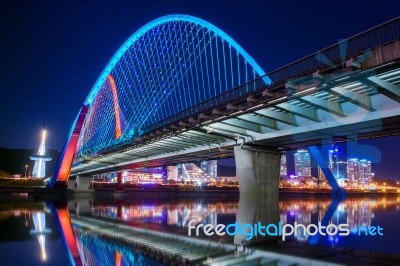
(83, 182)
(71, 183)
(258, 175)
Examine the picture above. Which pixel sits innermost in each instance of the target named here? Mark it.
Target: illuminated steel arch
(167, 66)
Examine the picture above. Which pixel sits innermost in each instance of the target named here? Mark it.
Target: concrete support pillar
(119, 181)
(83, 182)
(258, 175)
(71, 183)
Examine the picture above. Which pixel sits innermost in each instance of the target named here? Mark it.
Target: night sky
(52, 52)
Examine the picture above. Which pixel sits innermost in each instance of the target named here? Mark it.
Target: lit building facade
(283, 168)
(365, 173)
(338, 165)
(353, 171)
(210, 168)
(302, 163)
(359, 172)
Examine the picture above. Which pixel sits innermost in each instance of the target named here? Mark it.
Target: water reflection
(355, 212)
(177, 213)
(95, 250)
(29, 235)
(39, 223)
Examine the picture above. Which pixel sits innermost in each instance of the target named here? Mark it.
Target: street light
(26, 169)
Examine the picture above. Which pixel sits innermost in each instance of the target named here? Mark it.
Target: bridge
(181, 90)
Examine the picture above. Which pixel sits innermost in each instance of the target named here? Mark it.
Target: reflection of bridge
(92, 238)
(110, 240)
(39, 221)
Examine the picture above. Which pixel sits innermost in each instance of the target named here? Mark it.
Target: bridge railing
(378, 36)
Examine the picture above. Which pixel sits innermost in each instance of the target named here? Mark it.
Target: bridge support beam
(63, 167)
(258, 175)
(71, 183)
(83, 182)
(64, 226)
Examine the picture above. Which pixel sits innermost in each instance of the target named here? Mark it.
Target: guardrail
(378, 36)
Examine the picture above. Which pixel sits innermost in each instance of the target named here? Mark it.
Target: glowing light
(116, 107)
(68, 235)
(118, 258)
(39, 221)
(64, 163)
(153, 24)
(168, 66)
(39, 169)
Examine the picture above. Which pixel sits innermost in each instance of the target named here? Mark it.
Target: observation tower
(39, 170)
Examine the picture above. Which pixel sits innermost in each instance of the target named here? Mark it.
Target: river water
(30, 235)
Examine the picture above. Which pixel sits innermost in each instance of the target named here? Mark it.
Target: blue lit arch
(167, 66)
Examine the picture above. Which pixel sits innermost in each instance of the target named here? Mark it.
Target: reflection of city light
(39, 220)
(355, 212)
(44, 256)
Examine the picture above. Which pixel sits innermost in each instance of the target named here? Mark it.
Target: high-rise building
(365, 173)
(283, 168)
(359, 172)
(213, 169)
(302, 163)
(353, 171)
(338, 164)
(210, 168)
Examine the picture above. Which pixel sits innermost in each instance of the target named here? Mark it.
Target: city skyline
(378, 156)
